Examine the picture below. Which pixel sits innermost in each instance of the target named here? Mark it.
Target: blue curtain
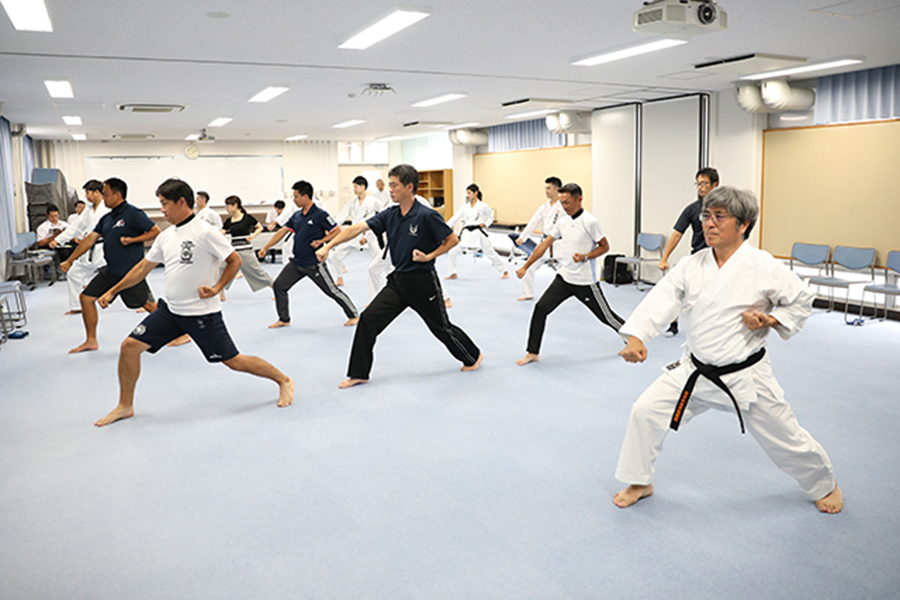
(861, 96)
(523, 135)
(27, 157)
(7, 189)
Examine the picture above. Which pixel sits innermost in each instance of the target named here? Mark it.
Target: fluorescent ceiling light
(349, 123)
(388, 26)
(59, 89)
(462, 126)
(28, 15)
(192, 138)
(531, 113)
(628, 52)
(294, 138)
(220, 122)
(804, 69)
(267, 94)
(72, 120)
(79, 137)
(438, 100)
(389, 138)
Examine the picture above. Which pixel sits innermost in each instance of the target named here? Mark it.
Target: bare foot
(447, 303)
(118, 413)
(286, 397)
(528, 358)
(524, 298)
(179, 341)
(339, 281)
(73, 312)
(87, 346)
(278, 324)
(476, 365)
(832, 503)
(505, 275)
(632, 494)
(351, 382)
(451, 276)
(351, 322)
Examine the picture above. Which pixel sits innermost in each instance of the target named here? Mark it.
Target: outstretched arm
(279, 235)
(137, 274)
(344, 234)
(670, 248)
(535, 255)
(83, 247)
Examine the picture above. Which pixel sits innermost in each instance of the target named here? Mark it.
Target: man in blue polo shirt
(311, 227)
(417, 235)
(124, 229)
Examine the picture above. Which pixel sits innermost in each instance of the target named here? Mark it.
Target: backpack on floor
(622, 271)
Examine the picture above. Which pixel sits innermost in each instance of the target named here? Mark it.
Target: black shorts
(134, 297)
(207, 331)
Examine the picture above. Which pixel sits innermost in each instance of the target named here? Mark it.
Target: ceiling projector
(679, 18)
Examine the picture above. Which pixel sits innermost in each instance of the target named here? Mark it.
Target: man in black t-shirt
(707, 180)
(124, 229)
(416, 236)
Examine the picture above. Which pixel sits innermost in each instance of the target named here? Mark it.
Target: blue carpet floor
(428, 482)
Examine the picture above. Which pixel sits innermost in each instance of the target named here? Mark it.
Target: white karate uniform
(355, 211)
(714, 300)
(478, 214)
(545, 217)
(85, 267)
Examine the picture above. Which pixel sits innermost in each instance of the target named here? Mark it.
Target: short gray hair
(741, 204)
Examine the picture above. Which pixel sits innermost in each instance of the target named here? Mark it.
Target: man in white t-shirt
(191, 251)
(544, 217)
(52, 227)
(206, 213)
(580, 241)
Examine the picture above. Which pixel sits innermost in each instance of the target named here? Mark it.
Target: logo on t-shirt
(187, 252)
(119, 223)
(414, 230)
(140, 330)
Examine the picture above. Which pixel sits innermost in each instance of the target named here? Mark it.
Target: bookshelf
(437, 187)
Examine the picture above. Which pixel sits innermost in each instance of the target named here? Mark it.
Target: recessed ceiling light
(220, 122)
(349, 123)
(628, 52)
(294, 138)
(438, 100)
(531, 113)
(59, 89)
(79, 137)
(270, 92)
(72, 120)
(388, 26)
(192, 138)
(804, 69)
(28, 15)
(462, 126)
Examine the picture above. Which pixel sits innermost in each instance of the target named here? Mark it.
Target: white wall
(429, 153)
(463, 173)
(612, 174)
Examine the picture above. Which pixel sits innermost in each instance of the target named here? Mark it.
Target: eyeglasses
(719, 218)
(702, 184)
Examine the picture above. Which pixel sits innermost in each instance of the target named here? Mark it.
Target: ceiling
(495, 51)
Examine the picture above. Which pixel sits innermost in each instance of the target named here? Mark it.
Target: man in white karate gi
(732, 294)
(358, 210)
(83, 269)
(545, 217)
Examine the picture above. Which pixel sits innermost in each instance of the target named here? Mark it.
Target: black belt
(476, 227)
(713, 374)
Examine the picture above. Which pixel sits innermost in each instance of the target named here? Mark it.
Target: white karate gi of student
(85, 267)
(476, 213)
(732, 295)
(544, 217)
(359, 209)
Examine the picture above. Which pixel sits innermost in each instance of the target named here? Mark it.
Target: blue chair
(888, 289)
(647, 242)
(810, 255)
(849, 259)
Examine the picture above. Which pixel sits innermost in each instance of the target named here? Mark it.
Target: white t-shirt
(210, 216)
(47, 228)
(579, 235)
(191, 254)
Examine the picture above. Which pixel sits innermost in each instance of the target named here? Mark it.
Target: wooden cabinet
(437, 188)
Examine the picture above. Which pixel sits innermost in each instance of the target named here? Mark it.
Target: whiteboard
(255, 179)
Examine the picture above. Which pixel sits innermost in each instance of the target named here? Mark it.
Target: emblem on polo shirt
(119, 223)
(140, 330)
(414, 230)
(187, 252)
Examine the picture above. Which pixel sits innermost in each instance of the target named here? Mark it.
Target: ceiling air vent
(140, 107)
(133, 136)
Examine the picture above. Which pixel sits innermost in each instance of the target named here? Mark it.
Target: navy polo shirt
(125, 220)
(308, 228)
(422, 227)
(690, 217)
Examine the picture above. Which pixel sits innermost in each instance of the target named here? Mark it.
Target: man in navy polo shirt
(312, 227)
(124, 229)
(417, 235)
